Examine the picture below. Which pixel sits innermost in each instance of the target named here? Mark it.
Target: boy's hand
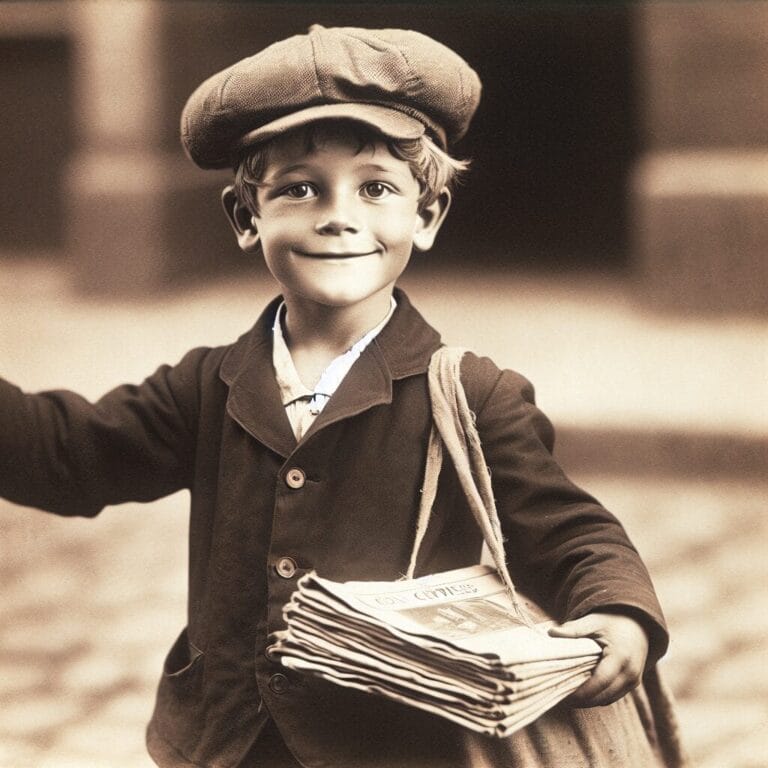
(625, 648)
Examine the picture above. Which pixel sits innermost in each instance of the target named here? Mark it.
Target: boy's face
(336, 223)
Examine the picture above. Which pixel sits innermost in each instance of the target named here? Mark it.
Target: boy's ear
(241, 220)
(430, 220)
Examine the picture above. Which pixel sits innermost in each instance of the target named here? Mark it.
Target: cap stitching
(314, 63)
(464, 98)
(412, 77)
(224, 88)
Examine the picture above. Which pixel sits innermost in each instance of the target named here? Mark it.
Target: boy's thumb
(582, 627)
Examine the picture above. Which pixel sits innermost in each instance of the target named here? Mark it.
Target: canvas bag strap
(454, 430)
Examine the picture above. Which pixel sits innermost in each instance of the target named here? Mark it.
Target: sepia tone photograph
(296, 296)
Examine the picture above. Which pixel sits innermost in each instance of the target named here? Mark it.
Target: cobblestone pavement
(89, 607)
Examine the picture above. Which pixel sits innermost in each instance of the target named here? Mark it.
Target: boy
(303, 443)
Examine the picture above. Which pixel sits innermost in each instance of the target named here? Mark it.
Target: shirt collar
(288, 382)
(290, 385)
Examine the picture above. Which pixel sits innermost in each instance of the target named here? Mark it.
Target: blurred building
(624, 138)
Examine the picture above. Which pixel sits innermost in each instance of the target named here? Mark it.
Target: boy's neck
(319, 331)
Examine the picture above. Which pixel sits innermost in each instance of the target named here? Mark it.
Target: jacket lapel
(254, 398)
(368, 383)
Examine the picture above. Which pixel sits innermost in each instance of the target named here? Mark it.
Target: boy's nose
(336, 219)
(335, 226)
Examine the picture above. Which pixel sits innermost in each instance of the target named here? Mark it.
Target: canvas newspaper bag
(638, 730)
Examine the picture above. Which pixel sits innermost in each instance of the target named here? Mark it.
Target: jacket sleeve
(63, 454)
(564, 548)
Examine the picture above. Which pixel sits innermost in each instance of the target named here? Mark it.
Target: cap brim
(389, 122)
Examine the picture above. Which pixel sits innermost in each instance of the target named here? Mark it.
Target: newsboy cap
(400, 82)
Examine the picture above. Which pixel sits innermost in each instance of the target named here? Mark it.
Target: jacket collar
(403, 348)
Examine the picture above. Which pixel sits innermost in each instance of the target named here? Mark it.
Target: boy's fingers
(618, 688)
(602, 677)
(611, 679)
(608, 695)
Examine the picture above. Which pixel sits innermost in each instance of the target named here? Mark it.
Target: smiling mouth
(334, 255)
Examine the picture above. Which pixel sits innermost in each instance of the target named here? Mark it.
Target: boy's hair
(433, 168)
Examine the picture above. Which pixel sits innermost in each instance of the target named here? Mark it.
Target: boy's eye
(375, 190)
(300, 191)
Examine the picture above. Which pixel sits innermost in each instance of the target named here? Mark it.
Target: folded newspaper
(450, 644)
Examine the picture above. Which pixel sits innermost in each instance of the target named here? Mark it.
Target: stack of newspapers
(450, 644)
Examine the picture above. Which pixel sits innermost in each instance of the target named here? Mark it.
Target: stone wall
(701, 187)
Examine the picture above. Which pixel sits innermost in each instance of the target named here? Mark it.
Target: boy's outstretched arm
(625, 649)
(63, 454)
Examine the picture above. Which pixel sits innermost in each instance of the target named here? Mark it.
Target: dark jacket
(214, 424)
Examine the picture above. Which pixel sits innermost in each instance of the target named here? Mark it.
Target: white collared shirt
(302, 405)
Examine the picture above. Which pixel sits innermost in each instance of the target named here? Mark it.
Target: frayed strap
(428, 494)
(454, 429)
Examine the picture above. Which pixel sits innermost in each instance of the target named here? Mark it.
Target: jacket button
(295, 478)
(279, 683)
(286, 567)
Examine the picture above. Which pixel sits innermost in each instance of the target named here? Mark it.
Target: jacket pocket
(179, 707)
(182, 658)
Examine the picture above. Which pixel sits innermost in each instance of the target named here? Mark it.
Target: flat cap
(401, 82)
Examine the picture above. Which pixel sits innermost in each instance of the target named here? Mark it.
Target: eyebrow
(289, 169)
(377, 167)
